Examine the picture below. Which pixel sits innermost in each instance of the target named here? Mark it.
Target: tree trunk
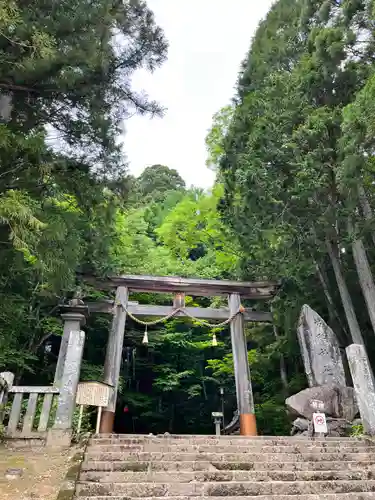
(6, 106)
(283, 373)
(347, 303)
(201, 369)
(365, 276)
(366, 207)
(334, 314)
(171, 420)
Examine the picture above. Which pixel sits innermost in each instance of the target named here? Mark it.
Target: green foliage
(216, 135)
(174, 384)
(48, 53)
(298, 147)
(155, 183)
(66, 205)
(357, 431)
(272, 418)
(65, 91)
(87, 423)
(194, 231)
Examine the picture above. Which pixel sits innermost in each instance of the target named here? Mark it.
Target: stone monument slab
(320, 350)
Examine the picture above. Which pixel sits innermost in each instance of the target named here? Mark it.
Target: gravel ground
(42, 473)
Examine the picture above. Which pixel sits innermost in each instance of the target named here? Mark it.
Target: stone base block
(59, 438)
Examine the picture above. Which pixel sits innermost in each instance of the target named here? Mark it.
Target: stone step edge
(207, 456)
(252, 477)
(212, 436)
(86, 487)
(223, 441)
(184, 473)
(255, 439)
(228, 442)
(308, 496)
(253, 447)
(206, 462)
(240, 446)
(234, 483)
(238, 489)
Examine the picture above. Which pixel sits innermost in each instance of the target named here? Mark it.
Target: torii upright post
(245, 402)
(112, 365)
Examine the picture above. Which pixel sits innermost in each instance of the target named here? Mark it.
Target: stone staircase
(191, 467)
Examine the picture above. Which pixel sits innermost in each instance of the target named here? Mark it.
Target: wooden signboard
(92, 394)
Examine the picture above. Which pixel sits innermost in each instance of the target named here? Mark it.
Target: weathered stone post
(61, 431)
(8, 377)
(112, 365)
(364, 385)
(241, 370)
(6, 382)
(74, 317)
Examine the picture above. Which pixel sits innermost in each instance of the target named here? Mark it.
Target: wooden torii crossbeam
(179, 287)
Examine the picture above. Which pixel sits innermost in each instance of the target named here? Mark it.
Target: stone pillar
(364, 385)
(8, 377)
(112, 365)
(241, 370)
(74, 317)
(6, 382)
(62, 428)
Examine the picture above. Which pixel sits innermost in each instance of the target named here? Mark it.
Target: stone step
(226, 457)
(213, 437)
(321, 496)
(137, 467)
(223, 476)
(210, 489)
(252, 448)
(226, 440)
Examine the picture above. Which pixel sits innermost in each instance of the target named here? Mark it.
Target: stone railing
(26, 411)
(35, 418)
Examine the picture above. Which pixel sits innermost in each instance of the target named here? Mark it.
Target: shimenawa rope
(176, 311)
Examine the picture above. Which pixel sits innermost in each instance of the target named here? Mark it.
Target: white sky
(208, 40)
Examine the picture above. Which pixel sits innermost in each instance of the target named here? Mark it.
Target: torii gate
(124, 285)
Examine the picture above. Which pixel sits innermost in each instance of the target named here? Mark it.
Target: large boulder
(336, 427)
(337, 402)
(320, 350)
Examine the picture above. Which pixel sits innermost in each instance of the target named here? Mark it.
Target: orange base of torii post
(248, 425)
